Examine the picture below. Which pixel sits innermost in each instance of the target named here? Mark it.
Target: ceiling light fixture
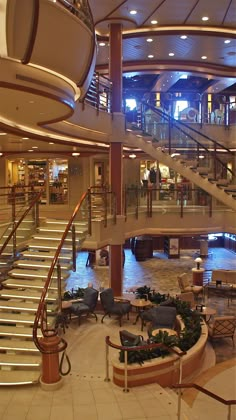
(203, 57)
(102, 44)
(171, 54)
(227, 41)
(3, 134)
(205, 18)
(132, 156)
(183, 37)
(154, 22)
(133, 12)
(150, 56)
(149, 40)
(25, 138)
(75, 154)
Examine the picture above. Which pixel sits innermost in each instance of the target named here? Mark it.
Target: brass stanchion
(50, 378)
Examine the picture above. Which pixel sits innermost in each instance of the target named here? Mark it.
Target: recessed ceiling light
(171, 54)
(1, 154)
(149, 40)
(205, 18)
(3, 134)
(34, 147)
(227, 41)
(25, 138)
(51, 142)
(183, 37)
(102, 44)
(133, 12)
(132, 156)
(75, 154)
(30, 150)
(154, 22)
(203, 57)
(150, 56)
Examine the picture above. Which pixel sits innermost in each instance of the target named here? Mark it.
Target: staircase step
(26, 263)
(45, 236)
(14, 377)
(20, 331)
(25, 294)
(36, 274)
(18, 318)
(8, 359)
(23, 283)
(16, 306)
(18, 345)
(47, 245)
(35, 254)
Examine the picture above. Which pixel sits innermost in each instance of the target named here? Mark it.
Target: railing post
(229, 413)
(107, 379)
(105, 205)
(136, 196)
(180, 389)
(59, 285)
(126, 372)
(89, 212)
(169, 135)
(181, 202)
(73, 247)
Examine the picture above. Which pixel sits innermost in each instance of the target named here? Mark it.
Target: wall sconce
(198, 260)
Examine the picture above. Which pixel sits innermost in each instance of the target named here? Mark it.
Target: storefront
(49, 175)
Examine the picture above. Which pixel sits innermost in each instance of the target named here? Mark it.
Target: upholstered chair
(114, 306)
(222, 327)
(186, 285)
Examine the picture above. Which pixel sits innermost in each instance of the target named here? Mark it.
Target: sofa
(226, 276)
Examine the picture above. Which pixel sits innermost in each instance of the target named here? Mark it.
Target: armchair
(87, 306)
(187, 297)
(222, 327)
(186, 286)
(114, 306)
(159, 317)
(128, 338)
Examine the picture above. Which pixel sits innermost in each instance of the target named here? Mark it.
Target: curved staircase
(20, 359)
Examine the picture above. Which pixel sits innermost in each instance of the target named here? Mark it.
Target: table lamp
(198, 260)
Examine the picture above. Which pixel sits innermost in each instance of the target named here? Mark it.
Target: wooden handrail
(207, 392)
(41, 307)
(144, 347)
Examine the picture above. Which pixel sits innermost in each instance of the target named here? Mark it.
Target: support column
(50, 378)
(116, 152)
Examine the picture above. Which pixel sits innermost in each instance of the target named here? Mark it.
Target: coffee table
(140, 305)
(207, 313)
(168, 330)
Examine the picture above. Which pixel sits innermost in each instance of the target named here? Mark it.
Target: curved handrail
(42, 305)
(144, 347)
(13, 231)
(207, 392)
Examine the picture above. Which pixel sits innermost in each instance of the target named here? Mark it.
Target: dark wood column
(116, 152)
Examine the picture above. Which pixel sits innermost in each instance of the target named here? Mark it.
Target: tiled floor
(86, 396)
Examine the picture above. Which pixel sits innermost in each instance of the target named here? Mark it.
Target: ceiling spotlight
(154, 22)
(227, 41)
(149, 40)
(171, 54)
(133, 12)
(132, 156)
(25, 138)
(3, 134)
(203, 57)
(205, 18)
(51, 142)
(183, 37)
(75, 154)
(150, 56)
(201, 157)
(102, 44)
(1, 153)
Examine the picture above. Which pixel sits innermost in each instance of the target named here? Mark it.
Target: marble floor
(86, 396)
